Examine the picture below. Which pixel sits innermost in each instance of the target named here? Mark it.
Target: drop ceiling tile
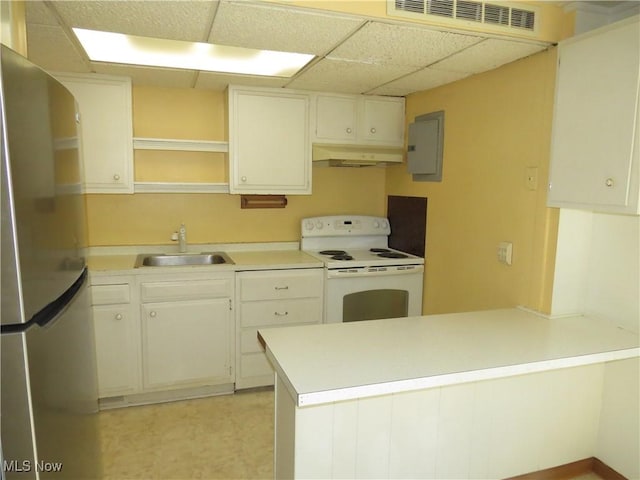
(175, 20)
(270, 27)
(392, 44)
(219, 81)
(488, 55)
(157, 77)
(424, 79)
(347, 77)
(49, 48)
(38, 13)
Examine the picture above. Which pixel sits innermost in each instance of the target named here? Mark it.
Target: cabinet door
(596, 120)
(117, 350)
(106, 131)
(336, 118)
(187, 343)
(269, 142)
(383, 120)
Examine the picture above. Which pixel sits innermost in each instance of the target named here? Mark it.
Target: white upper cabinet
(269, 141)
(596, 125)
(105, 129)
(383, 120)
(358, 119)
(336, 118)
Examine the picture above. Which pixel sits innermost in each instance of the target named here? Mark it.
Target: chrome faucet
(181, 237)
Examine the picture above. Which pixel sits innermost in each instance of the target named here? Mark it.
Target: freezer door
(43, 211)
(49, 397)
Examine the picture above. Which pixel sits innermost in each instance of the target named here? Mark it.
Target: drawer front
(282, 284)
(280, 312)
(111, 294)
(181, 290)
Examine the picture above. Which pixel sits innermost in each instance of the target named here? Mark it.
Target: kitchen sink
(182, 259)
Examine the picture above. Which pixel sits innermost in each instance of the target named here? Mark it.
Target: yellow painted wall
(496, 125)
(151, 218)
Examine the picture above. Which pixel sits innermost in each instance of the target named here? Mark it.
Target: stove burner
(332, 252)
(379, 250)
(392, 255)
(342, 256)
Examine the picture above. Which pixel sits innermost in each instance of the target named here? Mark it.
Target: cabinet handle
(373, 130)
(118, 316)
(609, 182)
(116, 177)
(282, 288)
(281, 314)
(349, 130)
(152, 314)
(244, 179)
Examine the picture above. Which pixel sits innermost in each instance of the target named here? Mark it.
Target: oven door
(358, 294)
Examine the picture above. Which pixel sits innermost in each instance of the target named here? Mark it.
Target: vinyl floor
(221, 437)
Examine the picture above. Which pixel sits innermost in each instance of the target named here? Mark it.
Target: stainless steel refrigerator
(48, 375)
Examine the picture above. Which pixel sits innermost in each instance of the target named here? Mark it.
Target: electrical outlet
(505, 252)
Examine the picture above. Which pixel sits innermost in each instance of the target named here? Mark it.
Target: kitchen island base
(489, 394)
(488, 429)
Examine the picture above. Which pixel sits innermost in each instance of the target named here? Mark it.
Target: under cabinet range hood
(355, 155)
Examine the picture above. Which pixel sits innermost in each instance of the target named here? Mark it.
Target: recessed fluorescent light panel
(157, 52)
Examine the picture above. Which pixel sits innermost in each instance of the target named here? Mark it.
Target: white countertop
(332, 362)
(258, 257)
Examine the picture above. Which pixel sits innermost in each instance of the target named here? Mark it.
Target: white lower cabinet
(186, 343)
(117, 334)
(271, 298)
(187, 331)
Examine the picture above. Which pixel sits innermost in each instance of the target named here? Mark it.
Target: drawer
(255, 364)
(186, 290)
(274, 285)
(111, 294)
(280, 312)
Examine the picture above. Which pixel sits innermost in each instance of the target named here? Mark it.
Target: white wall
(598, 273)
(598, 267)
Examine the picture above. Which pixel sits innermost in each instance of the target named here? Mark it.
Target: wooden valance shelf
(263, 201)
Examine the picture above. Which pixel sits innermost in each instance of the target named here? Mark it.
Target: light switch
(505, 252)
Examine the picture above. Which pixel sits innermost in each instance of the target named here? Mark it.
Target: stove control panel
(345, 225)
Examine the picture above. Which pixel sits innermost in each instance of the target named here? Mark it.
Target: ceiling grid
(354, 54)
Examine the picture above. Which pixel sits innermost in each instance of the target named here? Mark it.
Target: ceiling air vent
(491, 14)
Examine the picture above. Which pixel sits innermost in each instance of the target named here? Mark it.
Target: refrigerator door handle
(48, 314)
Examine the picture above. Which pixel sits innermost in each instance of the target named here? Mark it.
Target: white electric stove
(366, 279)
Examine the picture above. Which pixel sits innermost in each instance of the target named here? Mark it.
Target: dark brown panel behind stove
(408, 220)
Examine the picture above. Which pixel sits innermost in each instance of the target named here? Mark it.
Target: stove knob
(385, 224)
(308, 225)
(319, 225)
(376, 224)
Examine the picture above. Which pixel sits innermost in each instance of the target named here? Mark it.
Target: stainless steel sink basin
(182, 259)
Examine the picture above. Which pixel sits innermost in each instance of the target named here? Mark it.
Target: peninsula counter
(487, 394)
